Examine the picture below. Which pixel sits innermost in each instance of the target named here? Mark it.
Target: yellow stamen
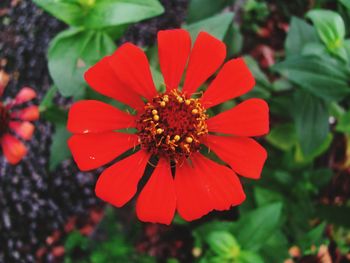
(160, 131)
(187, 147)
(194, 111)
(188, 102)
(148, 119)
(162, 104)
(189, 139)
(154, 112)
(177, 138)
(156, 117)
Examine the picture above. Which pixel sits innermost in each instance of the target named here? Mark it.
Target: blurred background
(299, 211)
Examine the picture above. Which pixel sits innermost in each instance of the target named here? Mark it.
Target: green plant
(113, 246)
(94, 27)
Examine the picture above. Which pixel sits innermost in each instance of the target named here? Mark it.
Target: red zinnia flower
(15, 119)
(171, 126)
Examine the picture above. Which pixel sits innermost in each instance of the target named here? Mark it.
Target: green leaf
(217, 26)
(283, 136)
(249, 257)
(96, 14)
(200, 9)
(117, 12)
(347, 48)
(311, 121)
(275, 248)
(339, 215)
(69, 12)
(302, 158)
(255, 227)
(321, 177)
(330, 27)
(280, 85)
(55, 115)
(158, 79)
(71, 53)
(326, 79)
(263, 86)
(300, 33)
(59, 150)
(201, 233)
(265, 196)
(259, 75)
(315, 49)
(47, 101)
(234, 40)
(75, 240)
(313, 237)
(343, 124)
(346, 3)
(223, 244)
(214, 259)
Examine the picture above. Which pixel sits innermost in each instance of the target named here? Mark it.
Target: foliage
(95, 25)
(113, 247)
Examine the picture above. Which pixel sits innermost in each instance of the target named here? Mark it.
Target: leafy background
(299, 52)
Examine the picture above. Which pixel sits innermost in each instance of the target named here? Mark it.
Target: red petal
(204, 187)
(25, 94)
(102, 79)
(23, 129)
(28, 114)
(192, 199)
(92, 116)
(249, 118)
(244, 155)
(118, 183)
(220, 182)
(233, 80)
(131, 66)
(157, 200)
(174, 47)
(91, 151)
(207, 55)
(14, 150)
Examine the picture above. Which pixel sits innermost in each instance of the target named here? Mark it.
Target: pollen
(189, 139)
(172, 125)
(194, 111)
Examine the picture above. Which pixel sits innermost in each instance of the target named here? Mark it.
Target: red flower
(172, 126)
(17, 120)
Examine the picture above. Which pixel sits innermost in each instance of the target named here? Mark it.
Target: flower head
(172, 126)
(15, 123)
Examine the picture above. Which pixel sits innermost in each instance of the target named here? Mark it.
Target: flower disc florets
(172, 125)
(4, 119)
